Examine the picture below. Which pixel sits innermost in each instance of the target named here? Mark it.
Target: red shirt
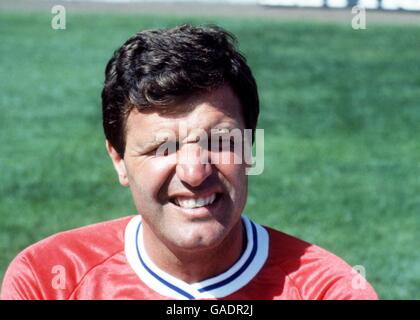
(108, 261)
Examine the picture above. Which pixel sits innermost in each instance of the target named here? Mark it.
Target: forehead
(219, 107)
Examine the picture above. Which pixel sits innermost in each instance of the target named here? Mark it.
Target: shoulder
(313, 271)
(35, 272)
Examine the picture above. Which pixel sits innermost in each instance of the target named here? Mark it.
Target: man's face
(172, 191)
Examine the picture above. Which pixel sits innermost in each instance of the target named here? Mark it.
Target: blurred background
(340, 108)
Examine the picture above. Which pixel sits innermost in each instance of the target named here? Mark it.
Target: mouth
(197, 205)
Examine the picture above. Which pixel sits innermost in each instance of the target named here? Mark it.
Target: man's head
(157, 82)
(157, 68)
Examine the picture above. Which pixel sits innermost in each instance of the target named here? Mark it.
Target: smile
(191, 203)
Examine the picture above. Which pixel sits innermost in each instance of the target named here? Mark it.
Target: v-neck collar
(222, 285)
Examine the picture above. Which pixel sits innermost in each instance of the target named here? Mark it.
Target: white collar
(222, 285)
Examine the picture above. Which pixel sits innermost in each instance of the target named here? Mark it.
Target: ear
(118, 163)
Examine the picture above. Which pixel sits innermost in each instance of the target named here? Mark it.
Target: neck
(193, 266)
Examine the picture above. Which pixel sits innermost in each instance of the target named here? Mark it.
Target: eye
(166, 149)
(222, 143)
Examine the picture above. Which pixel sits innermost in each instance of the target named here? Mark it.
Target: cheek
(147, 178)
(235, 176)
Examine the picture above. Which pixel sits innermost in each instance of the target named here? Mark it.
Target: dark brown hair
(159, 67)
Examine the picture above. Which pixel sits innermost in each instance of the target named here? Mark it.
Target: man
(166, 94)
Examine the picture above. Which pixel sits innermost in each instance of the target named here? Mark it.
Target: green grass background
(340, 109)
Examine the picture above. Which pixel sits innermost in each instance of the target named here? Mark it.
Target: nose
(193, 165)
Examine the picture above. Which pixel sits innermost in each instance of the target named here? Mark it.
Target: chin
(200, 239)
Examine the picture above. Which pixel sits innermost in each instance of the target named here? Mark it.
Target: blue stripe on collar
(242, 269)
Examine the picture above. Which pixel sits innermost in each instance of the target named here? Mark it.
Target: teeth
(195, 203)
